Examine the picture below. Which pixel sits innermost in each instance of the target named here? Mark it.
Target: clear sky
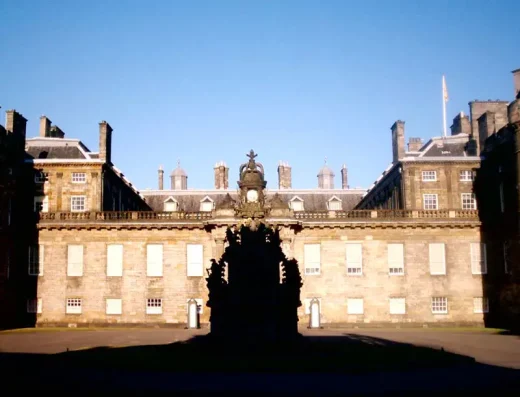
(206, 81)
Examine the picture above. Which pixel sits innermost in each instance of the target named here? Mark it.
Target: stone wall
(447, 186)
(375, 285)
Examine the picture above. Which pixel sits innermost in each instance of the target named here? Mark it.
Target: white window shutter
(114, 306)
(39, 305)
(195, 261)
(115, 260)
(397, 306)
(396, 258)
(41, 258)
(154, 260)
(478, 258)
(45, 204)
(75, 261)
(437, 258)
(355, 306)
(354, 258)
(312, 258)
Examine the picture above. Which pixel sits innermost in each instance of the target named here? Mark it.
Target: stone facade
(332, 284)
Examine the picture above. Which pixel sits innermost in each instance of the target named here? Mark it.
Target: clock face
(252, 196)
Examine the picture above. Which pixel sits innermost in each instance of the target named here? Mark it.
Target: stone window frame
(78, 207)
(151, 271)
(74, 306)
(111, 269)
(79, 177)
(430, 198)
(41, 177)
(468, 203)
(480, 305)
(439, 305)
(429, 176)
(75, 269)
(154, 306)
(402, 302)
(191, 270)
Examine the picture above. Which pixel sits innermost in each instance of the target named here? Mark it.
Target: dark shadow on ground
(348, 365)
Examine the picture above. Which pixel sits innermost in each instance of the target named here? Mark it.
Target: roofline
(188, 192)
(57, 161)
(440, 158)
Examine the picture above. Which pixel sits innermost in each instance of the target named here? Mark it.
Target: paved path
(501, 352)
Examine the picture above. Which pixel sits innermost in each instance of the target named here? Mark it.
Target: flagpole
(444, 104)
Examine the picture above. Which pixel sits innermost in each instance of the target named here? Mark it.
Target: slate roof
(190, 200)
(448, 149)
(54, 152)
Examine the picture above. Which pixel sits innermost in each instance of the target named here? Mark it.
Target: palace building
(80, 245)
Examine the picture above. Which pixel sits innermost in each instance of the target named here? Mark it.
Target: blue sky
(298, 81)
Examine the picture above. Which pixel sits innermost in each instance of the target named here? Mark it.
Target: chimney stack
(414, 144)
(284, 175)
(397, 140)
(344, 177)
(15, 125)
(516, 80)
(221, 175)
(161, 177)
(461, 124)
(105, 142)
(45, 126)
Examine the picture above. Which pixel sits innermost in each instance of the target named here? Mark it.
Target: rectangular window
(36, 258)
(78, 203)
(439, 305)
(501, 193)
(114, 306)
(429, 176)
(114, 260)
(154, 260)
(41, 204)
(466, 176)
(34, 305)
(75, 260)
(154, 306)
(397, 306)
(170, 206)
(40, 177)
(79, 177)
(206, 206)
(195, 261)
(355, 306)
(480, 305)
(437, 259)
(478, 258)
(73, 306)
(396, 259)
(469, 201)
(430, 202)
(354, 259)
(312, 258)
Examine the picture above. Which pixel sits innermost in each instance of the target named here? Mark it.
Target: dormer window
(296, 204)
(334, 204)
(206, 204)
(171, 205)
